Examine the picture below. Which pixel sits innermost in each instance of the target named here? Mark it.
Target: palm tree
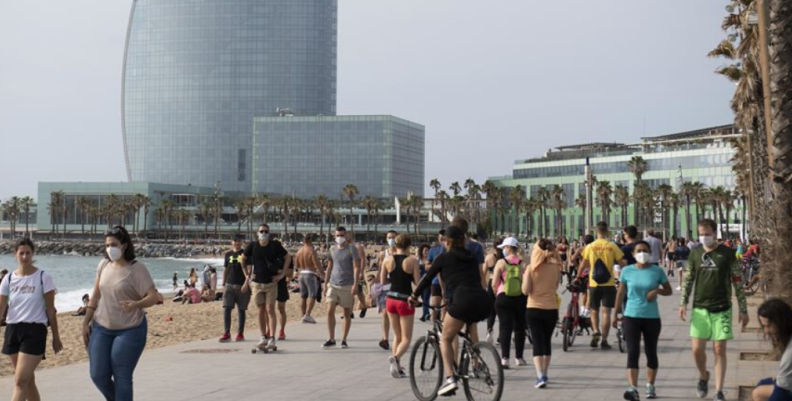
(604, 192)
(350, 191)
(241, 208)
(640, 194)
(516, 197)
(405, 204)
(434, 183)
(417, 204)
(83, 204)
(688, 191)
(558, 204)
(442, 196)
(322, 203)
(717, 196)
(26, 204)
(285, 204)
(12, 208)
(543, 195)
(378, 207)
(145, 203)
(727, 203)
(206, 209)
(184, 217)
(368, 203)
(621, 196)
(167, 207)
(664, 190)
(455, 188)
(673, 203)
(473, 193)
(637, 166)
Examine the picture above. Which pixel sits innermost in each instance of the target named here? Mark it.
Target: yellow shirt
(606, 251)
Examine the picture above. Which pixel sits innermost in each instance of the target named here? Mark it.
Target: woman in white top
(30, 295)
(115, 327)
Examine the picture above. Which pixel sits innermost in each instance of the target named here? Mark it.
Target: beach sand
(190, 323)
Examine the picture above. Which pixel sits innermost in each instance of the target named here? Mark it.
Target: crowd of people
(516, 284)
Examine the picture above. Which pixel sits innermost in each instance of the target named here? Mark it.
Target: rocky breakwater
(98, 249)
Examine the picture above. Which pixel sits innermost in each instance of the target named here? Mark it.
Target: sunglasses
(263, 232)
(340, 235)
(114, 231)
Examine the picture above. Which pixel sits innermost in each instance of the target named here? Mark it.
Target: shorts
(602, 297)
(706, 325)
(264, 293)
(681, 264)
(448, 294)
(283, 291)
(27, 338)
(233, 295)
(470, 305)
(670, 256)
(341, 295)
(309, 286)
(399, 307)
(437, 291)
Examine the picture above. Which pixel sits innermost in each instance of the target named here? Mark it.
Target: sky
(493, 82)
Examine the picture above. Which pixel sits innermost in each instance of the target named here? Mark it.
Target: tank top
(401, 282)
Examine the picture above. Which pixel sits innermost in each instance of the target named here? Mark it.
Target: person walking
(510, 302)
(641, 283)
(681, 254)
(342, 274)
(540, 283)
(423, 262)
(115, 327)
(384, 287)
(306, 261)
(29, 294)
(236, 290)
(402, 271)
(490, 261)
(713, 274)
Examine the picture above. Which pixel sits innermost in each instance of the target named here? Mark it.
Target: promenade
(301, 370)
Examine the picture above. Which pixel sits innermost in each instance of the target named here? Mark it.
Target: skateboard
(265, 349)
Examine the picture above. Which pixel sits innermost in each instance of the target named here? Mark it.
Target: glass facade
(196, 74)
(382, 155)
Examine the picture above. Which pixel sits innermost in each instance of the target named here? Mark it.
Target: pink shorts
(399, 307)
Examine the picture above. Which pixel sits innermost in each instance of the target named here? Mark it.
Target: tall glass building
(695, 156)
(197, 72)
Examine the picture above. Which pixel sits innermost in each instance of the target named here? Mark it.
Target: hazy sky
(492, 81)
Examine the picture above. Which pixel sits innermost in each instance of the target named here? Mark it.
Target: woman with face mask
(115, 328)
(641, 283)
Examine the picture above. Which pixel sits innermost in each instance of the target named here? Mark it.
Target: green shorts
(705, 325)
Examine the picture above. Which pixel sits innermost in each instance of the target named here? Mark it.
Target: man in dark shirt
(269, 260)
(237, 290)
(630, 236)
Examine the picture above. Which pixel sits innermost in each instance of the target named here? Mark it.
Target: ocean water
(74, 275)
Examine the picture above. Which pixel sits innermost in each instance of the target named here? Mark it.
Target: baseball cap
(510, 241)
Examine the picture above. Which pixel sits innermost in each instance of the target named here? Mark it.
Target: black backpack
(600, 274)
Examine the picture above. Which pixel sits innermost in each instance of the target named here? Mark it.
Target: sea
(74, 275)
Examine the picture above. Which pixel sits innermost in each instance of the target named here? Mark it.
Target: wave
(211, 261)
(70, 301)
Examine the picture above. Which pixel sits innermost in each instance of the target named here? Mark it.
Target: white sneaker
(520, 362)
(310, 319)
(304, 319)
(447, 387)
(679, 288)
(505, 363)
(394, 367)
(271, 342)
(262, 342)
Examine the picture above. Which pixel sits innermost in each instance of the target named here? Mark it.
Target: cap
(510, 241)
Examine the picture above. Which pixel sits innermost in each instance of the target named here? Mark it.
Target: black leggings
(511, 315)
(542, 323)
(491, 318)
(632, 329)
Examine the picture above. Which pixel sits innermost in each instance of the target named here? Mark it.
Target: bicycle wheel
(565, 329)
(483, 378)
(426, 369)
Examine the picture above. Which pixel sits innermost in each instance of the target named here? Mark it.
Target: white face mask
(340, 240)
(115, 253)
(643, 257)
(263, 236)
(391, 242)
(707, 240)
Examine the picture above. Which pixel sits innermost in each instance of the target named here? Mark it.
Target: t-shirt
(194, 295)
(627, 250)
(681, 253)
(656, 247)
(477, 249)
(233, 268)
(434, 252)
(544, 283)
(784, 378)
(26, 298)
(267, 260)
(343, 274)
(639, 282)
(608, 252)
(710, 279)
(117, 284)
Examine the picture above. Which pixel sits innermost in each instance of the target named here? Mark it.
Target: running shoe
(304, 319)
(329, 344)
(449, 386)
(505, 363)
(632, 395)
(225, 338)
(282, 335)
(263, 342)
(394, 367)
(310, 319)
(719, 396)
(384, 345)
(240, 337)
(703, 387)
(402, 373)
(363, 313)
(595, 339)
(520, 362)
(679, 289)
(650, 391)
(540, 383)
(546, 379)
(344, 344)
(605, 345)
(271, 343)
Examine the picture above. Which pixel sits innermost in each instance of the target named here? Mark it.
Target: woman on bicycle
(640, 283)
(775, 316)
(489, 265)
(470, 304)
(540, 283)
(510, 301)
(402, 271)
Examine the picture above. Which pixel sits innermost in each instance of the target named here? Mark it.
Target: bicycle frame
(435, 332)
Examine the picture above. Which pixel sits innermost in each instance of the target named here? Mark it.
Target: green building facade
(703, 156)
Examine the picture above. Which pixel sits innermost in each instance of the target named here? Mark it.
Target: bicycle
(479, 377)
(571, 324)
(750, 268)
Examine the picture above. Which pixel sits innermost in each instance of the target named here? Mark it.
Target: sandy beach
(189, 323)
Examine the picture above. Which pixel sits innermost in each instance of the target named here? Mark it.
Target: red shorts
(399, 307)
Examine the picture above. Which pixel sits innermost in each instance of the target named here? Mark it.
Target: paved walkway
(303, 371)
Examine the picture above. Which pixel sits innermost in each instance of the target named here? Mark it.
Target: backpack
(600, 274)
(512, 282)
